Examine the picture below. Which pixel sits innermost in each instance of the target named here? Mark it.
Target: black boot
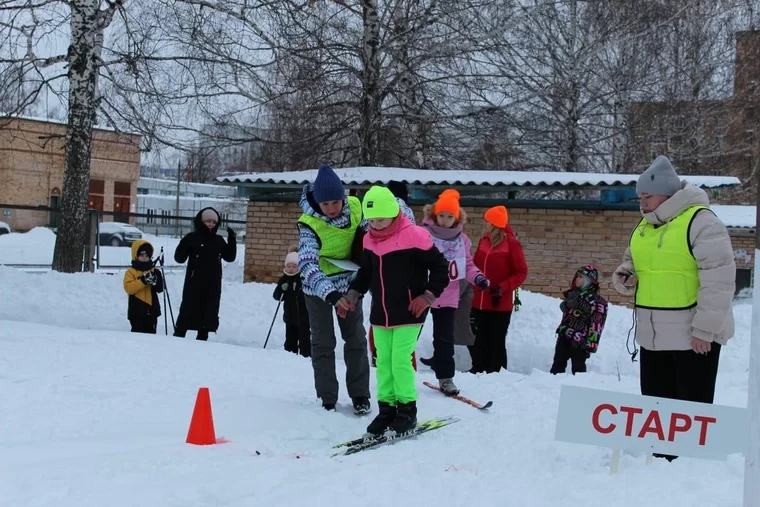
(406, 417)
(427, 361)
(361, 406)
(384, 419)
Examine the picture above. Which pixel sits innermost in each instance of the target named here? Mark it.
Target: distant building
(32, 163)
(708, 137)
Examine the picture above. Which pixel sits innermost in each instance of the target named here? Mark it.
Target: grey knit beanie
(659, 179)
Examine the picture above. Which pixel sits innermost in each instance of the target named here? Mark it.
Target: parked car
(5, 228)
(118, 234)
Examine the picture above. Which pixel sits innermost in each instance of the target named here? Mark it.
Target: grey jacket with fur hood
(712, 319)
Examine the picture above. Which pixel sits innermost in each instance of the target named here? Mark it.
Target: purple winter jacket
(456, 247)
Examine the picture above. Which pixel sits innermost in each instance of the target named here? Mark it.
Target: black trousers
(144, 325)
(443, 342)
(298, 340)
(489, 352)
(564, 351)
(679, 375)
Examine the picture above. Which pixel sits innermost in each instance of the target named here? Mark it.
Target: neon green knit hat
(379, 202)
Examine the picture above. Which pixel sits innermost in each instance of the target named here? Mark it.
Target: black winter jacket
(396, 270)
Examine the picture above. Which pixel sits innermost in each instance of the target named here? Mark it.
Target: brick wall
(556, 242)
(32, 161)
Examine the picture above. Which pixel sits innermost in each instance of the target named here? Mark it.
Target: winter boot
(330, 407)
(448, 387)
(384, 419)
(361, 405)
(427, 361)
(406, 417)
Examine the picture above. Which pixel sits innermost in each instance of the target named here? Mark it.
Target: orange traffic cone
(201, 430)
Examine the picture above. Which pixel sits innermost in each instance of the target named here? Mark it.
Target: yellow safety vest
(668, 274)
(335, 243)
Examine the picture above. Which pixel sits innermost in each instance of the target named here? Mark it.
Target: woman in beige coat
(680, 267)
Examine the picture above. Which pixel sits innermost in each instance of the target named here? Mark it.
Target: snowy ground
(92, 415)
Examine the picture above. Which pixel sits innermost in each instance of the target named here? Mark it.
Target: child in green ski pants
(394, 266)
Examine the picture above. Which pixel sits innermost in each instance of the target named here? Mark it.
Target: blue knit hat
(327, 185)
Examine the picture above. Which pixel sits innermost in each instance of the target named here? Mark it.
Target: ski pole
(167, 296)
(160, 262)
(273, 319)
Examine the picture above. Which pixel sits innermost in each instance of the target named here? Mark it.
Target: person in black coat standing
(204, 251)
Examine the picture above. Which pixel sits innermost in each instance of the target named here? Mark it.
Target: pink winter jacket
(454, 244)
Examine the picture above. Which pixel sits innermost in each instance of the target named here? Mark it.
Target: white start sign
(650, 424)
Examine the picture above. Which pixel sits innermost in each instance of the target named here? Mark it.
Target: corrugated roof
(735, 216)
(363, 176)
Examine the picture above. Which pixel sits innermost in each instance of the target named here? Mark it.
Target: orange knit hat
(497, 216)
(448, 201)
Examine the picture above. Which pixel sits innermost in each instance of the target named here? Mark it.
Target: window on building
(743, 279)
(122, 202)
(97, 194)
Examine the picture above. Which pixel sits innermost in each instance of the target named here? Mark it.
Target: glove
(230, 232)
(421, 303)
(334, 298)
(496, 294)
(149, 278)
(284, 287)
(353, 296)
(482, 282)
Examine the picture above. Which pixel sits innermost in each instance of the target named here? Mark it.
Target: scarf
(389, 231)
(142, 266)
(444, 233)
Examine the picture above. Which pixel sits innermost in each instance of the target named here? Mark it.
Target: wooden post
(615, 462)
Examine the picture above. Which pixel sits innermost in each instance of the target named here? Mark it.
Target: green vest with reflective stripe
(335, 243)
(668, 274)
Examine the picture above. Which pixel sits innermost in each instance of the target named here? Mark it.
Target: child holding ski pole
(394, 266)
(143, 282)
(289, 290)
(445, 222)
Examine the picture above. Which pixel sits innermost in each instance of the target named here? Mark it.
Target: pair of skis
(372, 441)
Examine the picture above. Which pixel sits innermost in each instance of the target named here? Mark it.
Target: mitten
(421, 303)
(149, 278)
(482, 282)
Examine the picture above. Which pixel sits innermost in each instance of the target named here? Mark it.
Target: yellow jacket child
(143, 282)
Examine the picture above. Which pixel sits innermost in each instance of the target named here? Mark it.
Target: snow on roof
(735, 216)
(382, 175)
(42, 119)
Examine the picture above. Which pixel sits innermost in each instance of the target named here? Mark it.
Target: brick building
(711, 137)
(557, 236)
(32, 163)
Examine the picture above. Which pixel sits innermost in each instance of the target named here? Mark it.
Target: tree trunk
(83, 62)
(370, 123)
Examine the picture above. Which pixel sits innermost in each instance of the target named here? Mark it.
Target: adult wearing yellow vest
(679, 265)
(332, 228)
